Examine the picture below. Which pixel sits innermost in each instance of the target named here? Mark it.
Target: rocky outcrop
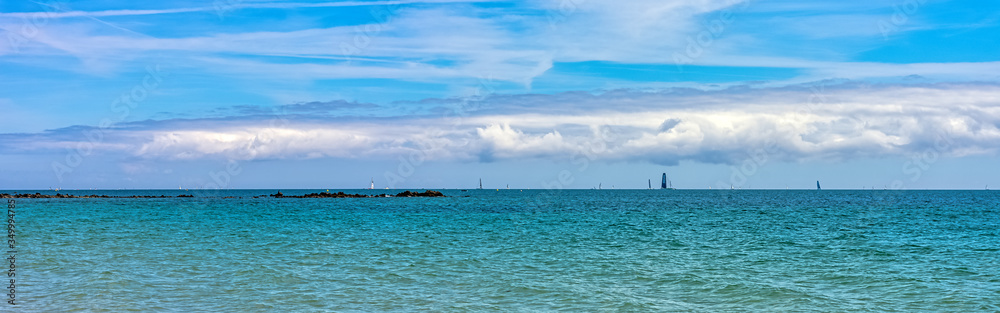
(62, 196)
(322, 195)
(426, 193)
(341, 194)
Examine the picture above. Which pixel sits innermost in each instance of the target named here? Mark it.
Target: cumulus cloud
(798, 123)
(504, 142)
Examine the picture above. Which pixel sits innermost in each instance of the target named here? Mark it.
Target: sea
(510, 250)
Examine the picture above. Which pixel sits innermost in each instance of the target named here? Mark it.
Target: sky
(542, 94)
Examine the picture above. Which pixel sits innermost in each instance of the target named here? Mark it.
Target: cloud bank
(822, 121)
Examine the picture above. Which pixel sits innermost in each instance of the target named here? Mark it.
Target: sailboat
(480, 183)
(817, 186)
(666, 184)
(650, 181)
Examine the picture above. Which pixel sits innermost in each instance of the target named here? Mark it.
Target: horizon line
(497, 189)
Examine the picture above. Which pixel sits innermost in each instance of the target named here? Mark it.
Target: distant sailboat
(508, 186)
(599, 186)
(817, 186)
(650, 182)
(480, 183)
(666, 184)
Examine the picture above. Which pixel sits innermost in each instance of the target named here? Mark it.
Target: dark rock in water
(185, 196)
(62, 196)
(341, 194)
(426, 193)
(324, 195)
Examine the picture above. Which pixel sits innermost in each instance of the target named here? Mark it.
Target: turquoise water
(512, 250)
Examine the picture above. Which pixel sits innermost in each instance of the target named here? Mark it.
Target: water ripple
(507, 251)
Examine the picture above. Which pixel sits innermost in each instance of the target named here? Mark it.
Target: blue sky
(543, 94)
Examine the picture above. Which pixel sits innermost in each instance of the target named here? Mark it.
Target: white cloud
(403, 48)
(505, 142)
(629, 32)
(445, 43)
(218, 7)
(836, 122)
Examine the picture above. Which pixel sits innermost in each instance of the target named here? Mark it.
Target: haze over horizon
(552, 94)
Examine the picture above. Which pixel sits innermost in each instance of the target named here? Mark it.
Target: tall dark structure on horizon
(663, 184)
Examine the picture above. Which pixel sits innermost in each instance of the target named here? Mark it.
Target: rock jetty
(62, 196)
(426, 193)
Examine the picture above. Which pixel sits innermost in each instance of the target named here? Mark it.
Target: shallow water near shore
(512, 250)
